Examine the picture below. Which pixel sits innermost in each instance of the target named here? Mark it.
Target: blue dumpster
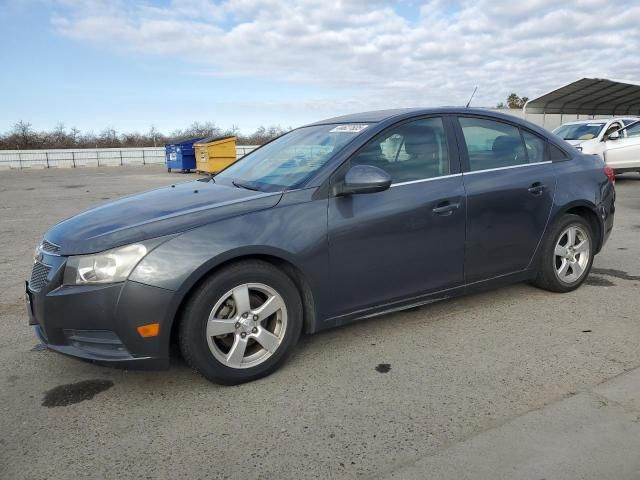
(181, 156)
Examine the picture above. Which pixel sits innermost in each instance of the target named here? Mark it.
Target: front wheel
(241, 323)
(566, 255)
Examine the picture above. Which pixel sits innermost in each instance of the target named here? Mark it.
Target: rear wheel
(566, 255)
(241, 323)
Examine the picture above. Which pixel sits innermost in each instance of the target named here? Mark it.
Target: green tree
(514, 101)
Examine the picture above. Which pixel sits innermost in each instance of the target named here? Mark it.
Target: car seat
(506, 151)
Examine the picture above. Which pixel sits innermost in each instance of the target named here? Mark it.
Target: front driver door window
(414, 151)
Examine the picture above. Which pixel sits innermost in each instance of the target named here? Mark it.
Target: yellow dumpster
(215, 153)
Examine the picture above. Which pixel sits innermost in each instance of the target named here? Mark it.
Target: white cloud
(372, 53)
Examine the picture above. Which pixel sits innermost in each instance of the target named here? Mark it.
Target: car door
(624, 152)
(509, 186)
(409, 239)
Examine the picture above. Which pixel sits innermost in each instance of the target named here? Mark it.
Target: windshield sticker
(349, 128)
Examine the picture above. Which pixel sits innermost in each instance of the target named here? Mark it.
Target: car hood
(155, 213)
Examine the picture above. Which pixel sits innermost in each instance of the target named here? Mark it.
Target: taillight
(611, 175)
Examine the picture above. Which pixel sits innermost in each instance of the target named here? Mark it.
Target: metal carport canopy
(589, 96)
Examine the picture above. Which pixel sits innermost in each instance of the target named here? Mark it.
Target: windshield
(291, 159)
(579, 131)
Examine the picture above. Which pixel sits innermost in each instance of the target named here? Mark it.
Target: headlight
(106, 267)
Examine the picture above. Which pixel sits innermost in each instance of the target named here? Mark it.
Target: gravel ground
(357, 401)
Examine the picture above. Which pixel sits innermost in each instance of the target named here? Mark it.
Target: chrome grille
(49, 247)
(38, 276)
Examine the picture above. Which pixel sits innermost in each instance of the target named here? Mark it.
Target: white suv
(596, 137)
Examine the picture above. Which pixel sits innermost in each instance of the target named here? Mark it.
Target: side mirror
(614, 135)
(363, 179)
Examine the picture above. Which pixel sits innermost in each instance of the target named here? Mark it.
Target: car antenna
(474, 92)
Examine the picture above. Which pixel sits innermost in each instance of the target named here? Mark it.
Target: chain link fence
(98, 157)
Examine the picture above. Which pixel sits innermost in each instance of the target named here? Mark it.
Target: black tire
(547, 278)
(192, 337)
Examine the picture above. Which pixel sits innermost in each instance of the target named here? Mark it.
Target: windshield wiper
(238, 184)
(208, 178)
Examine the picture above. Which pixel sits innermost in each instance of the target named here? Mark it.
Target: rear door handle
(445, 208)
(537, 188)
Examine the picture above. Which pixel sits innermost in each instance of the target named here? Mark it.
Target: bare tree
(22, 136)
(153, 134)
(108, 138)
(74, 135)
(206, 129)
(58, 137)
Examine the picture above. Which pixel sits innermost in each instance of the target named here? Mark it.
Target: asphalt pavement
(446, 389)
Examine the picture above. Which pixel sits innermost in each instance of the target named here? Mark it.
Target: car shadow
(628, 178)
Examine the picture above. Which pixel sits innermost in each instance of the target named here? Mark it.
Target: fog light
(150, 330)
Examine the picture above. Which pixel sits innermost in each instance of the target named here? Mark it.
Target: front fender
(294, 231)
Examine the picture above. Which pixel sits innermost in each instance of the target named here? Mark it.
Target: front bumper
(98, 323)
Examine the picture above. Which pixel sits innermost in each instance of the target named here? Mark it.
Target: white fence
(97, 157)
(100, 157)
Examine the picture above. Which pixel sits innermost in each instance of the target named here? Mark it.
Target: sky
(127, 65)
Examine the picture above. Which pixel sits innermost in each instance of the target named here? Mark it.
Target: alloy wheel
(246, 325)
(571, 254)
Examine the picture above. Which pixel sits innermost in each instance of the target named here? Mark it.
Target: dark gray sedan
(333, 222)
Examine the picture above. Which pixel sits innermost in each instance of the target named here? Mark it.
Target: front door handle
(445, 208)
(537, 188)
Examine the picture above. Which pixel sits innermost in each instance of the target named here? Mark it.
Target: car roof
(600, 120)
(363, 117)
(381, 115)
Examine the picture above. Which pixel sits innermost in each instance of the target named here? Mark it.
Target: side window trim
(422, 180)
(507, 168)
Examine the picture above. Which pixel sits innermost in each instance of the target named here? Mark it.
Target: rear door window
(491, 144)
(535, 147)
(555, 154)
(633, 130)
